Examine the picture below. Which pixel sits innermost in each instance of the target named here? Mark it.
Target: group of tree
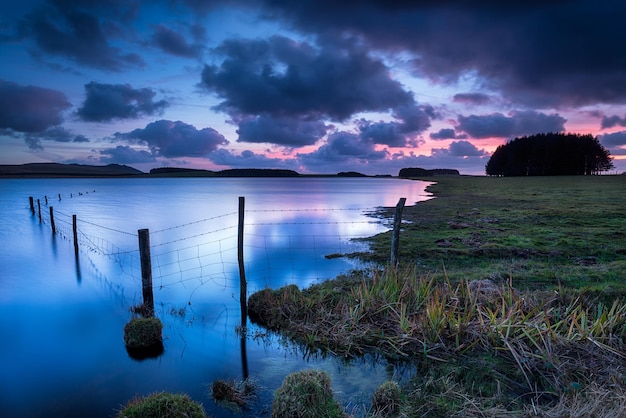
(550, 154)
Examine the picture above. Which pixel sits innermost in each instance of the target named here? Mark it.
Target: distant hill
(256, 172)
(422, 172)
(181, 172)
(67, 170)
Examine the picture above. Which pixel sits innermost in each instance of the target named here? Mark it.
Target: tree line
(550, 154)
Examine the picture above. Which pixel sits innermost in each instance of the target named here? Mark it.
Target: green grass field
(537, 231)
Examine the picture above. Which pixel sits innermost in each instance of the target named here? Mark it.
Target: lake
(62, 317)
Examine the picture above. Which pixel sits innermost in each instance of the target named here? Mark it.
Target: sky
(314, 86)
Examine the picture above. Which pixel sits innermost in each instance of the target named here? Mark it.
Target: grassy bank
(509, 299)
(537, 231)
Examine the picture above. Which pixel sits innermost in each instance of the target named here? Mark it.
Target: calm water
(62, 318)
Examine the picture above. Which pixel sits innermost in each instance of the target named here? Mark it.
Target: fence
(247, 250)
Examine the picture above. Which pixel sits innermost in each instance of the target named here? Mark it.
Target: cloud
(412, 119)
(286, 131)
(534, 52)
(123, 154)
(282, 77)
(105, 102)
(172, 42)
(472, 98)
(518, 123)
(55, 134)
(248, 159)
(614, 140)
(175, 139)
(611, 121)
(30, 108)
(73, 30)
(342, 148)
(446, 133)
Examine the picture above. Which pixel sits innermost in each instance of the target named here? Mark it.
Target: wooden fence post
(39, 209)
(32, 204)
(54, 228)
(243, 285)
(75, 233)
(395, 237)
(146, 271)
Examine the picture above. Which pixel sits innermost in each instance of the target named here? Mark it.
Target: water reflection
(289, 229)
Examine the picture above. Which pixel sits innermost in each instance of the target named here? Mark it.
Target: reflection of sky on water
(62, 318)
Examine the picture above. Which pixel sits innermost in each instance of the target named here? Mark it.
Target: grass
(143, 332)
(306, 394)
(162, 405)
(538, 231)
(509, 298)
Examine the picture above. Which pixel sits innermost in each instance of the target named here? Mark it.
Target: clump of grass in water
(306, 394)
(163, 405)
(235, 395)
(143, 332)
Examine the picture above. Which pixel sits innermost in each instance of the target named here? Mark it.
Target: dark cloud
(458, 149)
(30, 108)
(412, 120)
(613, 140)
(282, 77)
(55, 134)
(123, 154)
(74, 30)
(175, 139)
(285, 131)
(388, 133)
(519, 123)
(173, 42)
(447, 133)
(248, 159)
(105, 102)
(465, 149)
(472, 98)
(342, 148)
(611, 121)
(548, 53)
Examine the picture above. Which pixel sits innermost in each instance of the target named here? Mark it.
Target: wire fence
(201, 256)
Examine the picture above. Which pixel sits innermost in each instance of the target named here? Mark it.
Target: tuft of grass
(386, 399)
(235, 395)
(306, 394)
(162, 405)
(143, 332)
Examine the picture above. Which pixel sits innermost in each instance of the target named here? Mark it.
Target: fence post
(395, 237)
(146, 271)
(243, 285)
(32, 204)
(39, 209)
(75, 233)
(54, 229)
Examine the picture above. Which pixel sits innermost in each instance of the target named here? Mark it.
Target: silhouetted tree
(550, 154)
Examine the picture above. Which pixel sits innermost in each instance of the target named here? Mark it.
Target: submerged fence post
(243, 285)
(32, 204)
(75, 233)
(39, 209)
(395, 237)
(54, 228)
(146, 271)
